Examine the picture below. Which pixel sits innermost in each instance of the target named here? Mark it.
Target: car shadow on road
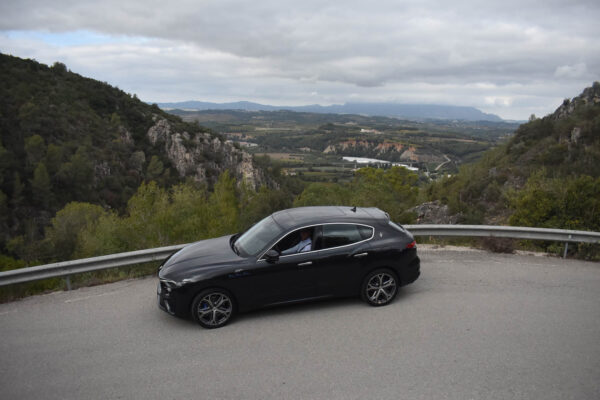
(324, 305)
(273, 312)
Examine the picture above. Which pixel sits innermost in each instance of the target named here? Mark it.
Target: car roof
(301, 216)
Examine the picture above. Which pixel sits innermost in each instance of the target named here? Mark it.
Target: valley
(313, 145)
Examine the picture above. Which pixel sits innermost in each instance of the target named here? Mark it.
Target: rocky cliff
(589, 97)
(199, 155)
(391, 151)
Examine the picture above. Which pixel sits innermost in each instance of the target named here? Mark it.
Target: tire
(212, 308)
(379, 287)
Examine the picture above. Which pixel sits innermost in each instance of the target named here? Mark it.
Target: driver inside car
(305, 244)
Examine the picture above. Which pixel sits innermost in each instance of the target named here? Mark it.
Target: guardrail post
(68, 280)
(567, 247)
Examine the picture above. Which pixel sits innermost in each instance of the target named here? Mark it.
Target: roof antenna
(353, 209)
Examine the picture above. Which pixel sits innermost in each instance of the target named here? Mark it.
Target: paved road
(474, 326)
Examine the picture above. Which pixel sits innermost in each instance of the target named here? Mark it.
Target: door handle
(361, 255)
(305, 264)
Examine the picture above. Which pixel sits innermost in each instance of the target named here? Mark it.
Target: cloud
(502, 101)
(284, 51)
(571, 71)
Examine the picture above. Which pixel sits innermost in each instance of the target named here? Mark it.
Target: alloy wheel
(214, 309)
(381, 288)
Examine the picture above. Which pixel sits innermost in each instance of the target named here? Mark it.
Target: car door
(286, 279)
(291, 279)
(343, 259)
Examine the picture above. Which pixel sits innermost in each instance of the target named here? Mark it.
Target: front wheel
(379, 287)
(212, 308)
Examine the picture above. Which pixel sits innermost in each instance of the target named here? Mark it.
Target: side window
(335, 235)
(298, 241)
(365, 231)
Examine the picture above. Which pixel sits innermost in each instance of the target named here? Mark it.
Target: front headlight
(170, 284)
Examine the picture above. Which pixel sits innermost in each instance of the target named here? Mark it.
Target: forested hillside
(67, 138)
(547, 175)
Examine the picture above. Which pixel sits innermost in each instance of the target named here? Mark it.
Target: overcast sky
(511, 58)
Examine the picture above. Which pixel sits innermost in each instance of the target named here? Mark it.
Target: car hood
(202, 255)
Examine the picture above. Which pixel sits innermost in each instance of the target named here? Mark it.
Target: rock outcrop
(385, 150)
(202, 155)
(590, 96)
(434, 212)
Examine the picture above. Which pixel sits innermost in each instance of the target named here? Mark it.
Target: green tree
(189, 213)
(558, 203)
(35, 148)
(320, 194)
(59, 68)
(4, 162)
(62, 235)
(17, 192)
(107, 236)
(41, 186)
(54, 158)
(148, 220)
(223, 205)
(155, 168)
(393, 190)
(254, 206)
(8, 263)
(4, 234)
(77, 175)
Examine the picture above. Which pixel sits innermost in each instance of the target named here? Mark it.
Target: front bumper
(175, 300)
(163, 292)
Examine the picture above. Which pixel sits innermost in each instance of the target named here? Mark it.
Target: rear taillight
(411, 245)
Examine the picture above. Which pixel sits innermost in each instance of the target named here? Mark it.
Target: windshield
(258, 237)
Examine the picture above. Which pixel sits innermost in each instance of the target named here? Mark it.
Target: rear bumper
(410, 272)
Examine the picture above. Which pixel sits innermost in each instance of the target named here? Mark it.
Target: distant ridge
(407, 111)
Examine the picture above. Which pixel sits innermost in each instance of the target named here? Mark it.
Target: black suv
(292, 255)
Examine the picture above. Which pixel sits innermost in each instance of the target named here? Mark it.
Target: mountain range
(416, 112)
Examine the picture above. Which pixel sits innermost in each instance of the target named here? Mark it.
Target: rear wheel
(212, 308)
(380, 287)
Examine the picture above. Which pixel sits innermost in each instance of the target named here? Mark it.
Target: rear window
(335, 235)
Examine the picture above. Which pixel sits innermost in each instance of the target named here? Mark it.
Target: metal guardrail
(514, 232)
(67, 268)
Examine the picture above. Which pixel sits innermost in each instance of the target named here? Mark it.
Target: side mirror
(272, 256)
